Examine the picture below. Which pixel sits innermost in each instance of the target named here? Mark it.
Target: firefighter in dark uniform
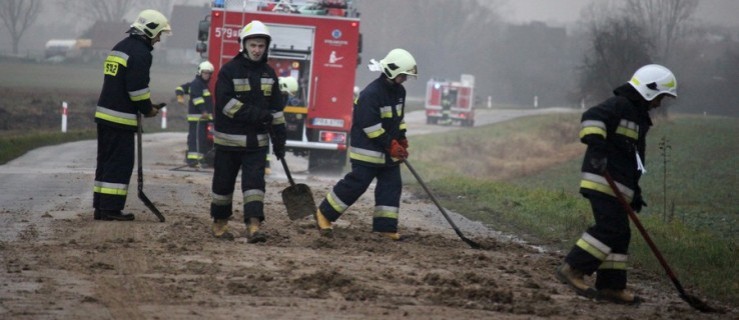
(446, 106)
(198, 115)
(125, 92)
(378, 145)
(615, 132)
(248, 114)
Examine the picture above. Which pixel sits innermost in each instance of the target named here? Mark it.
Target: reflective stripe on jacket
(126, 84)
(244, 86)
(615, 129)
(377, 119)
(201, 100)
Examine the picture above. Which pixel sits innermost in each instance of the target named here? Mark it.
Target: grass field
(522, 176)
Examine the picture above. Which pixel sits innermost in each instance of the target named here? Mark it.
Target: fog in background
(516, 49)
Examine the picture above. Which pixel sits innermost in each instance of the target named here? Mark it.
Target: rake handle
(644, 233)
(438, 205)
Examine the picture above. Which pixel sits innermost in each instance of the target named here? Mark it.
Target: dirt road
(60, 264)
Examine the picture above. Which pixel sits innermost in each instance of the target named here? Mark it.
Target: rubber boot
(253, 235)
(618, 296)
(575, 279)
(112, 215)
(220, 229)
(324, 225)
(391, 235)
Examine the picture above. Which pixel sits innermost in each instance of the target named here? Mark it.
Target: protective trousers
(604, 246)
(355, 183)
(196, 141)
(115, 159)
(226, 168)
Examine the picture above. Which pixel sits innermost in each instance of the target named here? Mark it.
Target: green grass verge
(542, 202)
(15, 145)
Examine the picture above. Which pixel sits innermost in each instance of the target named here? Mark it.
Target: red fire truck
(459, 94)
(316, 42)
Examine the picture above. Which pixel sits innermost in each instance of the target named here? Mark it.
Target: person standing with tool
(615, 132)
(199, 110)
(378, 145)
(125, 93)
(248, 114)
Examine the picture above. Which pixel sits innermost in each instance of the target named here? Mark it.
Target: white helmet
(151, 23)
(288, 85)
(398, 61)
(652, 80)
(205, 66)
(253, 30)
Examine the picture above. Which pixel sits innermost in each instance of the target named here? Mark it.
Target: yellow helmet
(151, 23)
(399, 61)
(288, 85)
(652, 80)
(253, 30)
(205, 66)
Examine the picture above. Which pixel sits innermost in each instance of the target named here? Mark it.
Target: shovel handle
(287, 171)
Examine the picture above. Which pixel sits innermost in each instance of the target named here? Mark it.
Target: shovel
(298, 198)
(691, 300)
(142, 195)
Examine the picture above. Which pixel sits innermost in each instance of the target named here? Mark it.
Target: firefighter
(198, 115)
(125, 93)
(378, 145)
(615, 133)
(248, 114)
(446, 105)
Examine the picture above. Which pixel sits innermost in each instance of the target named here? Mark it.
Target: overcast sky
(553, 12)
(725, 12)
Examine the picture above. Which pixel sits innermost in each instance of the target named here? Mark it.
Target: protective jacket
(126, 84)
(378, 119)
(246, 91)
(182, 89)
(615, 129)
(200, 100)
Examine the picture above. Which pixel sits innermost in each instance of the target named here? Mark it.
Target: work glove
(403, 142)
(397, 151)
(264, 117)
(600, 164)
(637, 203)
(155, 109)
(180, 99)
(598, 159)
(279, 149)
(260, 113)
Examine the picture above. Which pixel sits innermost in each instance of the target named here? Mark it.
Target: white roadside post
(164, 118)
(490, 102)
(64, 116)
(536, 101)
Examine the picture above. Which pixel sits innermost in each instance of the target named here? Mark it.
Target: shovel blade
(299, 201)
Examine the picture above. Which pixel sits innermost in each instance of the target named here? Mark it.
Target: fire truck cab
(316, 42)
(459, 94)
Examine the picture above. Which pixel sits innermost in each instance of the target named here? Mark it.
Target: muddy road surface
(58, 263)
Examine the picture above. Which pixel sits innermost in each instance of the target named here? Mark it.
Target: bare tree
(97, 10)
(665, 21)
(618, 45)
(17, 16)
